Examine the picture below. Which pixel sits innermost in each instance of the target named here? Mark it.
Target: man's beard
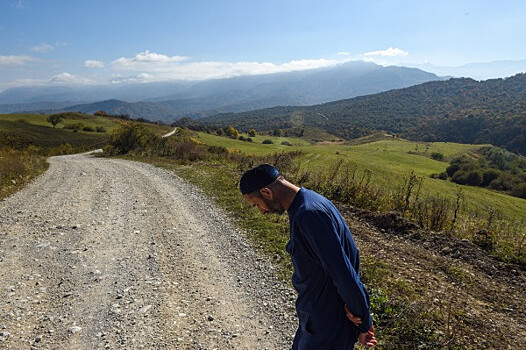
(274, 207)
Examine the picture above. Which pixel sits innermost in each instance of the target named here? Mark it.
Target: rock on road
(112, 254)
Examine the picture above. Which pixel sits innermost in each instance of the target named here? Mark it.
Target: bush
(88, 129)
(268, 142)
(286, 143)
(437, 156)
(100, 129)
(503, 183)
(132, 136)
(241, 138)
(519, 190)
(488, 176)
(74, 126)
(472, 178)
(217, 149)
(230, 131)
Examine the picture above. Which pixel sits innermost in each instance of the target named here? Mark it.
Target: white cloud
(162, 67)
(6, 61)
(390, 52)
(93, 64)
(67, 78)
(44, 47)
(343, 53)
(147, 60)
(139, 78)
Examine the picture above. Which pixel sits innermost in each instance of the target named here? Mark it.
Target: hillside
(457, 110)
(173, 100)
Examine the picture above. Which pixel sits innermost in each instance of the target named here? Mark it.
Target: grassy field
(34, 129)
(390, 161)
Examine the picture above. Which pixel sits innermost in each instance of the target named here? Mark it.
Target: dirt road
(102, 253)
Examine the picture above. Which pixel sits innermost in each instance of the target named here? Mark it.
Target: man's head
(259, 187)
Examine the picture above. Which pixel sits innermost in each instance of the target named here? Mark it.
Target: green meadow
(390, 162)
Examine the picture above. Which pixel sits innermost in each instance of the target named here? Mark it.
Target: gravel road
(112, 254)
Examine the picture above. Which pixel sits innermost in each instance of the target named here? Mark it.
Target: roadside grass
(17, 168)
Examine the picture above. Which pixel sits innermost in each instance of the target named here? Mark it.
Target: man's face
(264, 205)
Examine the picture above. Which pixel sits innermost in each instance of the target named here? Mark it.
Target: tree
(231, 132)
(54, 119)
(101, 114)
(252, 133)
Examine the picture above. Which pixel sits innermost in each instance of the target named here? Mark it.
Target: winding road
(112, 254)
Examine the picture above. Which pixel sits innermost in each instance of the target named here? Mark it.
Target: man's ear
(267, 193)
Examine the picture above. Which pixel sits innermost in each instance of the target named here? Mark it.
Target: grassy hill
(456, 110)
(390, 161)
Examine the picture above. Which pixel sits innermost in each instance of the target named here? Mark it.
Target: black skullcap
(257, 178)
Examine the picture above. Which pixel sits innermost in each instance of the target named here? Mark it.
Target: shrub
(88, 129)
(133, 136)
(101, 114)
(268, 142)
(241, 138)
(252, 133)
(100, 129)
(488, 176)
(286, 143)
(74, 126)
(472, 178)
(519, 190)
(437, 156)
(248, 139)
(217, 149)
(503, 183)
(231, 132)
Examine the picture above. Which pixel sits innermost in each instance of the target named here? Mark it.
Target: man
(332, 304)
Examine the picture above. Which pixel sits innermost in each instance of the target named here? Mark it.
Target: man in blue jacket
(332, 304)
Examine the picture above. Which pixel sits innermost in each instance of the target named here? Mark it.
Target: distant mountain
(479, 71)
(457, 110)
(196, 99)
(35, 106)
(117, 107)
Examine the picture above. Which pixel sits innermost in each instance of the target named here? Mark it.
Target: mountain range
(458, 110)
(168, 101)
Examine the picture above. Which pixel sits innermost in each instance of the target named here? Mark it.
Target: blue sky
(98, 42)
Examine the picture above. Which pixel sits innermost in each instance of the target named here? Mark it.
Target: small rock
(144, 309)
(210, 318)
(38, 338)
(74, 329)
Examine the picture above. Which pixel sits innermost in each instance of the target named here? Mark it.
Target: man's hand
(368, 339)
(354, 319)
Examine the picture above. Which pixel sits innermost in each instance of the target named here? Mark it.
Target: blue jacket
(326, 266)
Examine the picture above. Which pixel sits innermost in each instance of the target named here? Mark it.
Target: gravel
(106, 253)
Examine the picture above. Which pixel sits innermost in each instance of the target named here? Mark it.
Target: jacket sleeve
(321, 233)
